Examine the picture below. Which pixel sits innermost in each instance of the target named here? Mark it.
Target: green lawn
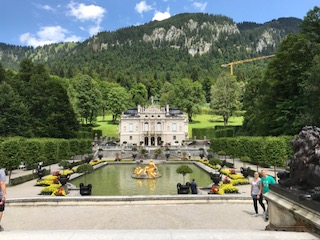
(207, 121)
(107, 127)
(199, 121)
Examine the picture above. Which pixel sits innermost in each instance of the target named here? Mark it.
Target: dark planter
(215, 177)
(183, 189)
(85, 190)
(167, 155)
(134, 155)
(100, 156)
(63, 179)
(245, 171)
(87, 159)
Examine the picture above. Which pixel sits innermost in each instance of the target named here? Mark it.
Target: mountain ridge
(213, 39)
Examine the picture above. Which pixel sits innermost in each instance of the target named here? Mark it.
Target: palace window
(146, 126)
(174, 127)
(158, 126)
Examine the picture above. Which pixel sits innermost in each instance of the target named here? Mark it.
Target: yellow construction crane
(244, 61)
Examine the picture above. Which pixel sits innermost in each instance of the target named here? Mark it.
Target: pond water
(116, 180)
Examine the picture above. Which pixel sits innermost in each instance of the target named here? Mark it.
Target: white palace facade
(153, 126)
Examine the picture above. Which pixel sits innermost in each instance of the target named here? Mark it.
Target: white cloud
(159, 16)
(143, 7)
(200, 6)
(84, 12)
(47, 7)
(48, 35)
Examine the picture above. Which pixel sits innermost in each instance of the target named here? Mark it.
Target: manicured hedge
(225, 132)
(200, 133)
(274, 151)
(29, 177)
(217, 131)
(31, 151)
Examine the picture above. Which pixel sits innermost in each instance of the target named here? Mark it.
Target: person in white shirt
(256, 193)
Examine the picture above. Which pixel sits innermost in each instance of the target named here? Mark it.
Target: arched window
(146, 126)
(159, 126)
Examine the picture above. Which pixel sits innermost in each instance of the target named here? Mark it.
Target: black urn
(183, 189)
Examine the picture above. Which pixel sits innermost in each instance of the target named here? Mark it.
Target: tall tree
(188, 96)
(139, 94)
(225, 96)
(283, 109)
(119, 100)
(14, 117)
(88, 98)
(104, 88)
(311, 94)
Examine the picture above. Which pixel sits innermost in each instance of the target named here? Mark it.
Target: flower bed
(240, 181)
(95, 162)
(209, 165)
(229, 181)
(52, 184)
(47, 181)
(233, 176)
(49, 190)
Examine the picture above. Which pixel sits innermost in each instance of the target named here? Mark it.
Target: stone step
(195, 234)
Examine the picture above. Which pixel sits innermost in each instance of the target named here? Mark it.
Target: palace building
(153, 126)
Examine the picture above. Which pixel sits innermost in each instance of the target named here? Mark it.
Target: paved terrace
(30, 216)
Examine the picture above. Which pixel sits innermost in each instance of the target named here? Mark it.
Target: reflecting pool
(116, 180)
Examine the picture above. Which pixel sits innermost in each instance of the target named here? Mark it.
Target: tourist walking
(3, 194)
(266, 180)
(256, 193)
(194, 187)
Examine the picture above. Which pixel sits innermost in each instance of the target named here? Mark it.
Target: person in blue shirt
(266, 180)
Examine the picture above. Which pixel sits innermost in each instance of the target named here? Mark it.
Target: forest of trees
(52, 99)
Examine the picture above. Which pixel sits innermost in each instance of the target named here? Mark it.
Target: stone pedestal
(289, 213)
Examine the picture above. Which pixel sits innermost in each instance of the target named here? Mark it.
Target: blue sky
(39, 22)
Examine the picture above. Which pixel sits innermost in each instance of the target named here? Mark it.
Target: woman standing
(256, 193)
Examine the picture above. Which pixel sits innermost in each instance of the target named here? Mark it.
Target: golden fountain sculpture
(149, 171)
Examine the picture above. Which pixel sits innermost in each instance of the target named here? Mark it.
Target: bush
(215, 161)
(245, 159)
(226, 132)
(85, 168)
(65, 164)
(222, 153)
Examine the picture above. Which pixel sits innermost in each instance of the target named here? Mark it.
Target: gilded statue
(149, 171)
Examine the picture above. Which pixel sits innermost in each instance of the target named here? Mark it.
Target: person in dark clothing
(194, 187)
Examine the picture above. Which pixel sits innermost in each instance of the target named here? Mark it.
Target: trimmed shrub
(215, 161)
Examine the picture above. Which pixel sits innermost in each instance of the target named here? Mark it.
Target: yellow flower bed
(66, 172)
(239, 181)
(95, 162)
(229, 188)
(236, 176)
(50, 189)
(47, 181)
(59, 192)
(236, 179)
(208, 164)
(230, 175)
